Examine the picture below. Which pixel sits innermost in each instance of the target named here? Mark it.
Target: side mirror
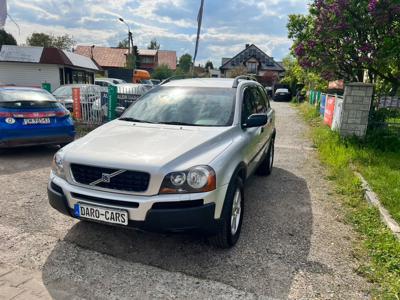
(119, 110)
(256, 120)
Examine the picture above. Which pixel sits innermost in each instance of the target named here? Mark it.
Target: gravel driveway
(294, 242)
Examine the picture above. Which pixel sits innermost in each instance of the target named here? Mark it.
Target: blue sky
(227, 25)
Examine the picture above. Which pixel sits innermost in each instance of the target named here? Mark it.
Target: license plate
(103, 214)
(37, 121)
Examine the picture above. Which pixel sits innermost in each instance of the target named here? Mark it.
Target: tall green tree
(185, 62)
(154, 45)
(162, 72)
(340, 39)
(209, 64)
(40, 39)
(123, 44)
(6, 38)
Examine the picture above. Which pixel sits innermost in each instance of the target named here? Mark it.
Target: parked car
(64, 93)
(176, 160)
(282, 95)
(32, 116)
(106, 82)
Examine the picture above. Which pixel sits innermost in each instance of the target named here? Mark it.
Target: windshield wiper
(134, 120)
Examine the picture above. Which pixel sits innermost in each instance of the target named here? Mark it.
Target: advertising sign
(76, 98)
(112, 102)
(46, 86)
(329, 110)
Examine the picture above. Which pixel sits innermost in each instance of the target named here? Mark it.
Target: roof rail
(174, 78)
(242, 77)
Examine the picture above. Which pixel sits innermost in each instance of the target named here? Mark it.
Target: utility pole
(131, 53)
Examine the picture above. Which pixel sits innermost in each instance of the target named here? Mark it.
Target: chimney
(247, 46)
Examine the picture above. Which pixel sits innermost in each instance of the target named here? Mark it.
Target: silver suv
(176, 160)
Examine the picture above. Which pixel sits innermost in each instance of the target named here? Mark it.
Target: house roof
(252, 51)
(168, 58)
(10, 53)
(105, 56)
(147, 52)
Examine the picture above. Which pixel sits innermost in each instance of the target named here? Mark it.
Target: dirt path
(293, 243)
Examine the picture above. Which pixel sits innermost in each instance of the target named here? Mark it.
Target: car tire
(265, 167)
(232, 217)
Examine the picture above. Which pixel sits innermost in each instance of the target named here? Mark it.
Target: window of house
(252, 67)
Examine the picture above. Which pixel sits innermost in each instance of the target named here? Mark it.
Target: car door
(253, 136)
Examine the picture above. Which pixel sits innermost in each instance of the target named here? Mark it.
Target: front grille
(130, 181)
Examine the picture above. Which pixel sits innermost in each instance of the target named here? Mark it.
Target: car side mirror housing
(256, 120)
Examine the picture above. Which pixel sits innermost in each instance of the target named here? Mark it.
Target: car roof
(20, 88)
(78, 85)
(202, 82)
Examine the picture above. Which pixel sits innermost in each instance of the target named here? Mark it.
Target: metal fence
(385, 115)
(95, 102)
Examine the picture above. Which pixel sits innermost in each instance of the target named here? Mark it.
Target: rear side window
(21, 98)
(7, 95)
(30, 104)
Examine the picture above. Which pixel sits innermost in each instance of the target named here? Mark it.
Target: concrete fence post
(356, 107)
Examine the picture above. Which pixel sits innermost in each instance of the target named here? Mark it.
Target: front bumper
(151, 214)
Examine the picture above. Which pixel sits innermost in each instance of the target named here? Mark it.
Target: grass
(382, 170)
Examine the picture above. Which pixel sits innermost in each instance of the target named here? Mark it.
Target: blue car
(32, 116)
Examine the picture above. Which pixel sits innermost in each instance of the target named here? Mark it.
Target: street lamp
(130, 39)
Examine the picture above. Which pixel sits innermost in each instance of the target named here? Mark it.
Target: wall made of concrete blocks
(356, 107)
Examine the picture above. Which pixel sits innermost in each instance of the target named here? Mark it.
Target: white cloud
(42, 12)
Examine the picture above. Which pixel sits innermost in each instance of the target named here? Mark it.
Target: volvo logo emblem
(106, 177)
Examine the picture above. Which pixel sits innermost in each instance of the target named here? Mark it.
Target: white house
(33, 66)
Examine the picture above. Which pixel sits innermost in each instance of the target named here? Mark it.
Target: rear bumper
(32, 141)
(198, 219)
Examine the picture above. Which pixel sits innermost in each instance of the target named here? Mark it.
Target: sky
(227, 25)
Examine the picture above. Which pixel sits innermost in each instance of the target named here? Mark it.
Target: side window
(265, 96)
(259, 101)
(248, 104)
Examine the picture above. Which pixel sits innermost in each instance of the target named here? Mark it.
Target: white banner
(3, 13)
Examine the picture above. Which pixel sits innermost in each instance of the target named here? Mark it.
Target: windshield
(63, 91)
(25, 95)
(185, 106)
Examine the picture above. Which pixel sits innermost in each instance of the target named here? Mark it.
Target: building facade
(33, 66)
(113, 61)
(252, 60)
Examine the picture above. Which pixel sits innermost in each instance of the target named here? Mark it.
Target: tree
(297, 77)
(344, 38)
(6, 38)
(154, 45)
(209, 65)
(241, 70)
(162, 72)
(124, 44)
(185, 62)
(40, 39)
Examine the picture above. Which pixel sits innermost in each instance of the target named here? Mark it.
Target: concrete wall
(356, 107)
(29, 74)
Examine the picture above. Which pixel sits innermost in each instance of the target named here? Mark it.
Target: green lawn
(382, 171)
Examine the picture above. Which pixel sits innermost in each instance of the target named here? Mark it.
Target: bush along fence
(95, 106)
(349, 115)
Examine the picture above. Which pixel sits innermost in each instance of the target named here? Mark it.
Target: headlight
(195, 180)
(58, 165)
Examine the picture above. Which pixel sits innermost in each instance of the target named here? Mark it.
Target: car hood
(149, 147)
